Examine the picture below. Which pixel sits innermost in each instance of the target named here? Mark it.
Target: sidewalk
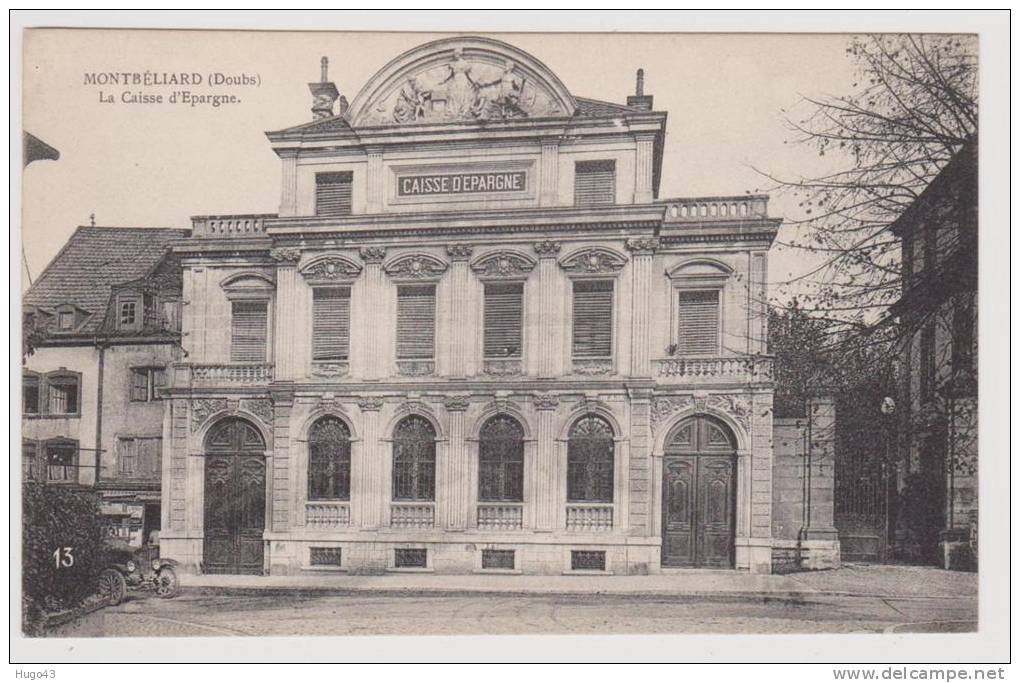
(857, 580)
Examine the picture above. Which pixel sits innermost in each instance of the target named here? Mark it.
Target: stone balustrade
(500, 516)
(740, 369)
(741, 207)
(589, 517)
(245, 225)
(502, 367)
(327, 514)
(227, 374)
(413, 515)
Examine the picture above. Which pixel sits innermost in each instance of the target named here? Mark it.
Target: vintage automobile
(138, 569)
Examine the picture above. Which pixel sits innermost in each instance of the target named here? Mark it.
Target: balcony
(723, 369)
(413, 515)
(700, 209)
(327, 514)
(221, 374)
(590, 517)
(238, 226)
(500, 516)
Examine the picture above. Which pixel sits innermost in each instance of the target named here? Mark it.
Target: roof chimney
(639, 100)
(324, 94)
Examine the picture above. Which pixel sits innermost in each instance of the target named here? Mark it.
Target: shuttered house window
(594, 183)
(698, 323)
(593, 319)
(139, 457)
(248, 324)
(333, 193)
(331, 323)
(504, 320)
(416, 321)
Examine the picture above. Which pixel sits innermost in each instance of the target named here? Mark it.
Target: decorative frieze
(665, 406)
(593, 366)
(594, 260)
(545, 402)
(262, 408)
(370, 404)
(203, 408)
(372, 254)
(415, 267)
(736, 405)
(503, 264)
(416, 368)
(503, 367)
(330, 369)
(643, 245)
(457, 404)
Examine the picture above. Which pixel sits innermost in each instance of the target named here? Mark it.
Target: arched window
(414, 459)
(501, 460)
(590, 461)
(329, 460)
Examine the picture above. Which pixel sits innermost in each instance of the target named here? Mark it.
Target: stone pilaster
(549, 173)
(374, 185)
(370, 306)
(371, 487)
(545, 485)
(460, 309)
(639, 475)
(455, 470)
(280, 485)
(822, 458)
(641, 274)
(288, 193)
(643, 170)
(757, 309)
(286, 356)
(547, 274)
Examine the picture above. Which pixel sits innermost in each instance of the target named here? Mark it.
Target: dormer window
(65, 320)
(127, 314)
(333, 193)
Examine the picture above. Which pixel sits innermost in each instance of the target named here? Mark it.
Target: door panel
(715, 526)
(678, 495)
(235, 499)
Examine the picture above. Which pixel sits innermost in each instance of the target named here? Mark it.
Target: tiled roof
(92, 261)
(599, 108)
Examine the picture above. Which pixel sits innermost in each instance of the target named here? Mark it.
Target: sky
(160, 164)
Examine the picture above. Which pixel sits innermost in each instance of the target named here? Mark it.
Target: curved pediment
(593, 260)
(330, 268)
(415, 267)
(465, 79)
(700, 267)
(503, 264)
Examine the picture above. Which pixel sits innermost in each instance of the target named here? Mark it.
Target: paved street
(896, 600)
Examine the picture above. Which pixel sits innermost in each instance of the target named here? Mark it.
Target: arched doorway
(699, 494)
(235, 498)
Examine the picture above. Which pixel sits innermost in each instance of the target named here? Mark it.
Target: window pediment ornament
(593, 261)
(415, 267)
(332, 268)
(503, 264)
(700, 268)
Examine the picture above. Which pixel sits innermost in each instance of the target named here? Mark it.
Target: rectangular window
(698, 323)
(30, 394)
(29, 461)
(927, 361)
(588, 560)
(333, 193)
(410, 557)
(497, 559)
(128, 313)
(248, 324)
(331, 323)
(62, 395)
(65, 320)
(139, 384)
(325, 557)
(416, 321)
(139, 457)
(595, 183)
(504, 320)
(593, 319)
(62, 461)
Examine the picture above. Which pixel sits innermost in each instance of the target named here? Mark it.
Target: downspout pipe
(99, 413)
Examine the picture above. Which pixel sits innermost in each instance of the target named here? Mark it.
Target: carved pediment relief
(415, 267)
(460, 80)
(503, 264)
(700, 268)
(331, 268)
(595, 260)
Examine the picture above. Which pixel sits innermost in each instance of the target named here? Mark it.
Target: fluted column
(641, 275)
(549, 338)
(371, 489)
(545, 483)
(460, 309)
(455, 469)
(372, 351)
(549, 172)
(374, 182)
(643, 170)
(287, 357)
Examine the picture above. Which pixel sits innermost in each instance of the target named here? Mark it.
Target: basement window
(325, 557)
(410, 558)
(498, 559)
(588, 560)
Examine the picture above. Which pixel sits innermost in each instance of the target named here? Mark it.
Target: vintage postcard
(491, 333)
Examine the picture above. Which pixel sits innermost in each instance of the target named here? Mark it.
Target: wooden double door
(699, 495)
(235, 499)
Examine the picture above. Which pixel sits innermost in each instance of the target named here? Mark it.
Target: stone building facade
(473, 339)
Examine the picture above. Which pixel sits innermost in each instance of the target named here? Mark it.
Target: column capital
(547, 249)
(370, 404)
(459, 252)
(285, 256)
(545, 402)
(372, 254)
(457, 404)
(643, 245)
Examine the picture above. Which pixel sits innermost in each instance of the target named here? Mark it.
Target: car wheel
(167, 585)
(112, 586)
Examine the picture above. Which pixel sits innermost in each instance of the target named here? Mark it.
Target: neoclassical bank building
(473, 339)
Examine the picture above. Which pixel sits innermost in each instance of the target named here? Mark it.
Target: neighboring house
(474, 339)
(102, 322)
(938, 403)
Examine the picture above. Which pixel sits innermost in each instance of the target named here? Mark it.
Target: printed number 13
(62, 557)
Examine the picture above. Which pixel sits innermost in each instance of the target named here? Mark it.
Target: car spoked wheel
(112, 586)
(167, 585)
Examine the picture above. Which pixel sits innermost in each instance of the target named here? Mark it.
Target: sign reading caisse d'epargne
(461, 183)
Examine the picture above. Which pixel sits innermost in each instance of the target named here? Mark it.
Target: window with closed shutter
(416, 321)
(504, 320)
(333, 193)
(698, 320)
(248, 324)
(594, 183)
(593, 319)
(331, 323)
